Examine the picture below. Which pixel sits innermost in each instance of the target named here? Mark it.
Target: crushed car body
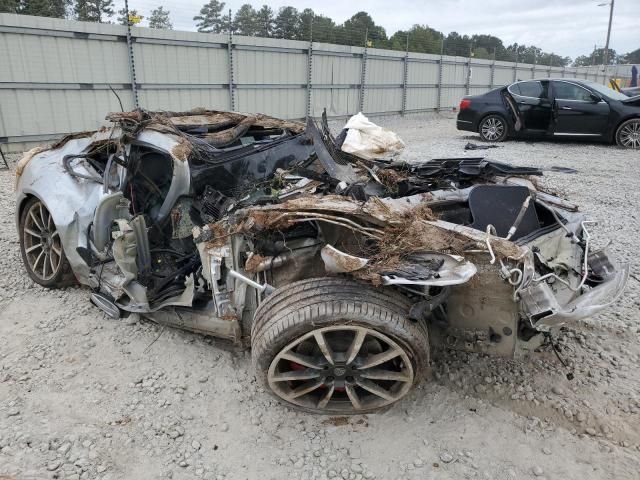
(200, 219)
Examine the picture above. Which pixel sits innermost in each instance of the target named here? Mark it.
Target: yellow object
(134, 19)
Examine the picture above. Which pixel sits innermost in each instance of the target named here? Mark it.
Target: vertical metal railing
(232, 97)
(132, 64)
(363, 71)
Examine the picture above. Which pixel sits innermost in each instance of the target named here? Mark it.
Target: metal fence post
(309, 68)
(232, 100)
(363, 71)
(493, 69)
(467, 85)
(440, 75)
(132, 65)
(515, 68)
(405, 76)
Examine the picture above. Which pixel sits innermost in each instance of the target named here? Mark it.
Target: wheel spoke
(380, 374)
(32, 233)
(324, 346)
(51, 263)
(35, 264)
(301, 360)
(379, 358)
(36, 222)
(41, 215)
(31, 249)
(57, 250)
(305, 388)
(374, 388)
(356, 345)
(326, 397)
(44, 265)
(293, 375)
(353, 397)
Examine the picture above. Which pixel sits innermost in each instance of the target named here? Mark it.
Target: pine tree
(160, 19)
(286, 23)
(265, 22)
(211, 19)
(42, 8)
(93, 10)
(245, 20)
(8, 6)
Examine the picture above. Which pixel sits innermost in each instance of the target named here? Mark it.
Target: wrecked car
(340, 272)
(553, 108)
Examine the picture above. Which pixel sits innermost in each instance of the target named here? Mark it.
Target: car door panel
(534, 106)
(577, 112)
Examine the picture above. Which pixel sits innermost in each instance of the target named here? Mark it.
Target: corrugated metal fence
(56, 76)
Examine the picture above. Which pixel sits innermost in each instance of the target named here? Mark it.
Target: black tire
(628, 134)
(60, 274)
(493, 128)
(296, 309)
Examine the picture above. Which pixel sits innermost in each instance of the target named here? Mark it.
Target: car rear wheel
(628, 134)
(41, 247)
(493, 128)
(333, 345)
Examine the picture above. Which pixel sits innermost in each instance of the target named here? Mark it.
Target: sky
(565, 27)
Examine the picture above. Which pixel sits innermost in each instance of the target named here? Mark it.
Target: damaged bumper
(541, 307)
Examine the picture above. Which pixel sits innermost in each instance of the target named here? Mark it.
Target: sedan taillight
(464, 104)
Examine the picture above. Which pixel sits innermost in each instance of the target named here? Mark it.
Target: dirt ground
(85, 396)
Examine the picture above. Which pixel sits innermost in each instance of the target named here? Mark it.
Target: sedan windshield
(606, 91)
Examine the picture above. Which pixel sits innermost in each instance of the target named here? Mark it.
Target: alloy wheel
(42, 243)
(630, 135)
(492, 128)
(345, 368)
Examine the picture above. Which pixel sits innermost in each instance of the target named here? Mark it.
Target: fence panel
(57, 76)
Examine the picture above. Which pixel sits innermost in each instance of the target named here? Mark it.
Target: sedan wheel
(341, 368)
(493, 128)
(41, 246)
(628, 134)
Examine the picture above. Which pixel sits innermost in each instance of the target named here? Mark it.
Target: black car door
(578, 111)
(533, 104)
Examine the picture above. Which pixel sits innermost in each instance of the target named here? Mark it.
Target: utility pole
(605, 57)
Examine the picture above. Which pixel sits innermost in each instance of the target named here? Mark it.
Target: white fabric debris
(367, 140)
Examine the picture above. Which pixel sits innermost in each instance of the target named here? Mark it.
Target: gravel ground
(85, 396)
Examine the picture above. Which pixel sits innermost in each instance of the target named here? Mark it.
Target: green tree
(457, 45)
(265, 23)
(306, 22)
(422, 39)
(362, 24)
(93, 10)
(160, 19)
(324, 29)
(631, 57)
(287, 23)
(211, 19)
(8, 6)
(245, 21)
(595, 58)
(42, 8)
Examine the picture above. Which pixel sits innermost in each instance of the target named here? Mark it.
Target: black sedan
(544, 108)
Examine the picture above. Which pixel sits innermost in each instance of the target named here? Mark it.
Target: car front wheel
(337, 346)
(41, 247)
(493, 128)
(628, 134)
